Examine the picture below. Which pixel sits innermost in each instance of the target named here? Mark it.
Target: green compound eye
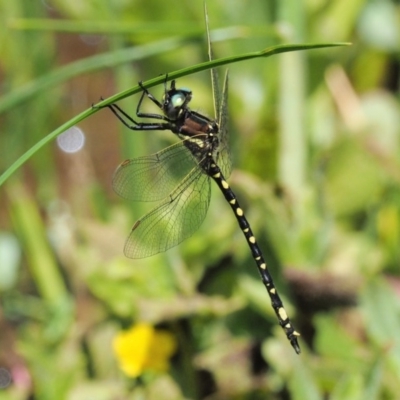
(177, 100)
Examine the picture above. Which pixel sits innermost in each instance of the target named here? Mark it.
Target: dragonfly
(180, 176)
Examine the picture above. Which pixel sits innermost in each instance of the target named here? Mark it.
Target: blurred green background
(315, 146)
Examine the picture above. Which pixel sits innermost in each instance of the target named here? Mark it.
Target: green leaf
(156, 81)
(349, 387)
(381, 309)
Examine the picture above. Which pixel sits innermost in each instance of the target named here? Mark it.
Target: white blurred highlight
(72, 140)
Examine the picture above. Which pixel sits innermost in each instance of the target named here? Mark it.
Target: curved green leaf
(156, 81)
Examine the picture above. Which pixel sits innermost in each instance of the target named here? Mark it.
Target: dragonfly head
(175, 101)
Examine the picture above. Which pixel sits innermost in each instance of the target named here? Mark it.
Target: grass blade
(156, 81)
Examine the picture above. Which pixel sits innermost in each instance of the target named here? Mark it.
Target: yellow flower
(143, 348)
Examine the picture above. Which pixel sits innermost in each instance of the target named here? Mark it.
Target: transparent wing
(223, 154)
(153, 177)
(214, 72)
(174, 220)
(223, 157)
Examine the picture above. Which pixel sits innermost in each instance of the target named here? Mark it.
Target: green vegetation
(315, 146)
